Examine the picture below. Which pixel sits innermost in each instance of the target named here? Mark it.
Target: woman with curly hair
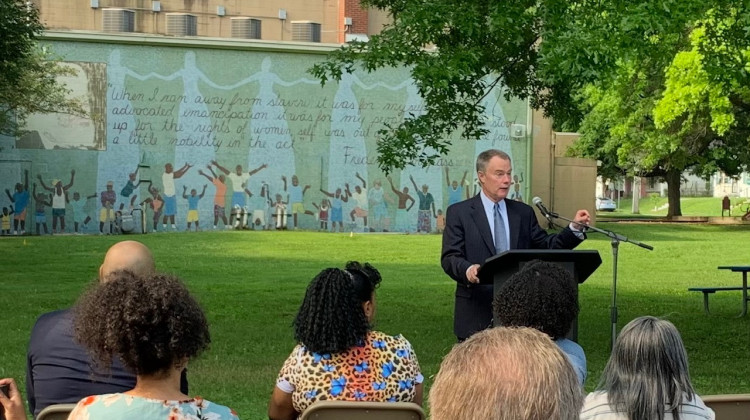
(154, 326)
(339, 356)
(646, 377)
(542, 296)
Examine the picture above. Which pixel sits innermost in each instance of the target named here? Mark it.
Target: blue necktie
(501, 240)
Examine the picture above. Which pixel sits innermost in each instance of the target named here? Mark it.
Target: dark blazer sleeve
(30, 395)
(453, 256)
(537, 237)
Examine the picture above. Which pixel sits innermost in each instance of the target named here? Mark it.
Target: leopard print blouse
(382, 368)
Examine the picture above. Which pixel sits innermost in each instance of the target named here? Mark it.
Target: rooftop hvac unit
(305, 31)
(118, 20)
(182, 24)
(245, 27)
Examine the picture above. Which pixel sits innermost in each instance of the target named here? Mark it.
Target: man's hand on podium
(472, 273)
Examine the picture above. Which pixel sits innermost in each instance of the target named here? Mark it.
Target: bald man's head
(127, 255)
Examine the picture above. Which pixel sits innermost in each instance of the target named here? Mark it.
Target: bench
(708, 290)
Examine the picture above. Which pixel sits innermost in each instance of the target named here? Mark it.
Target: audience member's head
(506, 374)
(151, 323)
(338, 308)
(648, 369)
(365, 279)
(127, 255)
(542, 295)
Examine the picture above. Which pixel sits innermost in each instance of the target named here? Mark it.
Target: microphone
(546, 213)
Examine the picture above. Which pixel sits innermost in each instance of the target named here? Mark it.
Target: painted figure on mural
(193, 199)
(219, 182)
(239, 180)
(280, 213)
(156, 202)
(41, 200)
(170, 197)
(323, 210)
(107, 213)
(378, 209)
(456, 190)
(390, 201)
(259, 207)
(129, 188)
(274, 129)
(296, 195)
(360, 198)
(517, 188)
(20, 198)
(402, 211)
(59, 199)
(80, 216)
(440, 221)
(5, 220)
(243, 213)
(426, 208)
(337, 208)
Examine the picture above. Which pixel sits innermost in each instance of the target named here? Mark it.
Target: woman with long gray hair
(646, 377)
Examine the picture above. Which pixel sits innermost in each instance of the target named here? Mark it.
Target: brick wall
(359, 15)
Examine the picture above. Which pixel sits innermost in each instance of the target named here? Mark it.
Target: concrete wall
(574, 186)
(564, 184)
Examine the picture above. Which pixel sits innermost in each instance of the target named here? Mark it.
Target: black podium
(497, 269)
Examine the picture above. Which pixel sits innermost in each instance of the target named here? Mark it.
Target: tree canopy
(28, 74)
(683, 108)
(653, 85)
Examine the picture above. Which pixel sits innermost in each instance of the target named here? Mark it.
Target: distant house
(725, 185)
(692, 186)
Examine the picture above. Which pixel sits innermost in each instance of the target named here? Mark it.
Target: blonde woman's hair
(506, 374)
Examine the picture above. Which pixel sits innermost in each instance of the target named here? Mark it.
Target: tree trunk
(674, 179)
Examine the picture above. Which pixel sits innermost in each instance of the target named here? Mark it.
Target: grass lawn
(691, 206)
(251, 284)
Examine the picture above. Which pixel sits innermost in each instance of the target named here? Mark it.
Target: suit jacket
(59, 370)
(467, 240)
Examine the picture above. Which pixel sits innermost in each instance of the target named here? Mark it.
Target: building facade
(324, 21)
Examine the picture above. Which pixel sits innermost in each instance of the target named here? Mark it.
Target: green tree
(545, 50)
(566, 56)
(28, 74)
(681, 109)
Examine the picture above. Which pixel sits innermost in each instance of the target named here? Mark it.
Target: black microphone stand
(615, 240)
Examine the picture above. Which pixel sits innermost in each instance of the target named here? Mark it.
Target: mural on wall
(64, 131)
(207, 139)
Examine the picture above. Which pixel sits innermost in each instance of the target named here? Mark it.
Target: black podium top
(584, 262)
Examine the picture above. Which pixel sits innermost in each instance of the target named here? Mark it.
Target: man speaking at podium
(488, 224)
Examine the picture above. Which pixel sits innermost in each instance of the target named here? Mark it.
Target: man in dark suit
(58, 369)
(488, 224)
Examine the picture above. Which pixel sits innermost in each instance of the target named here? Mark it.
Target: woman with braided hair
(339, 356)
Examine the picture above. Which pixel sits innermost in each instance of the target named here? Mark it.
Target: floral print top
(122, 407)
(382, 368)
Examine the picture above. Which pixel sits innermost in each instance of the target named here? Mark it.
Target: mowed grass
(251, 284)
(690, 206)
